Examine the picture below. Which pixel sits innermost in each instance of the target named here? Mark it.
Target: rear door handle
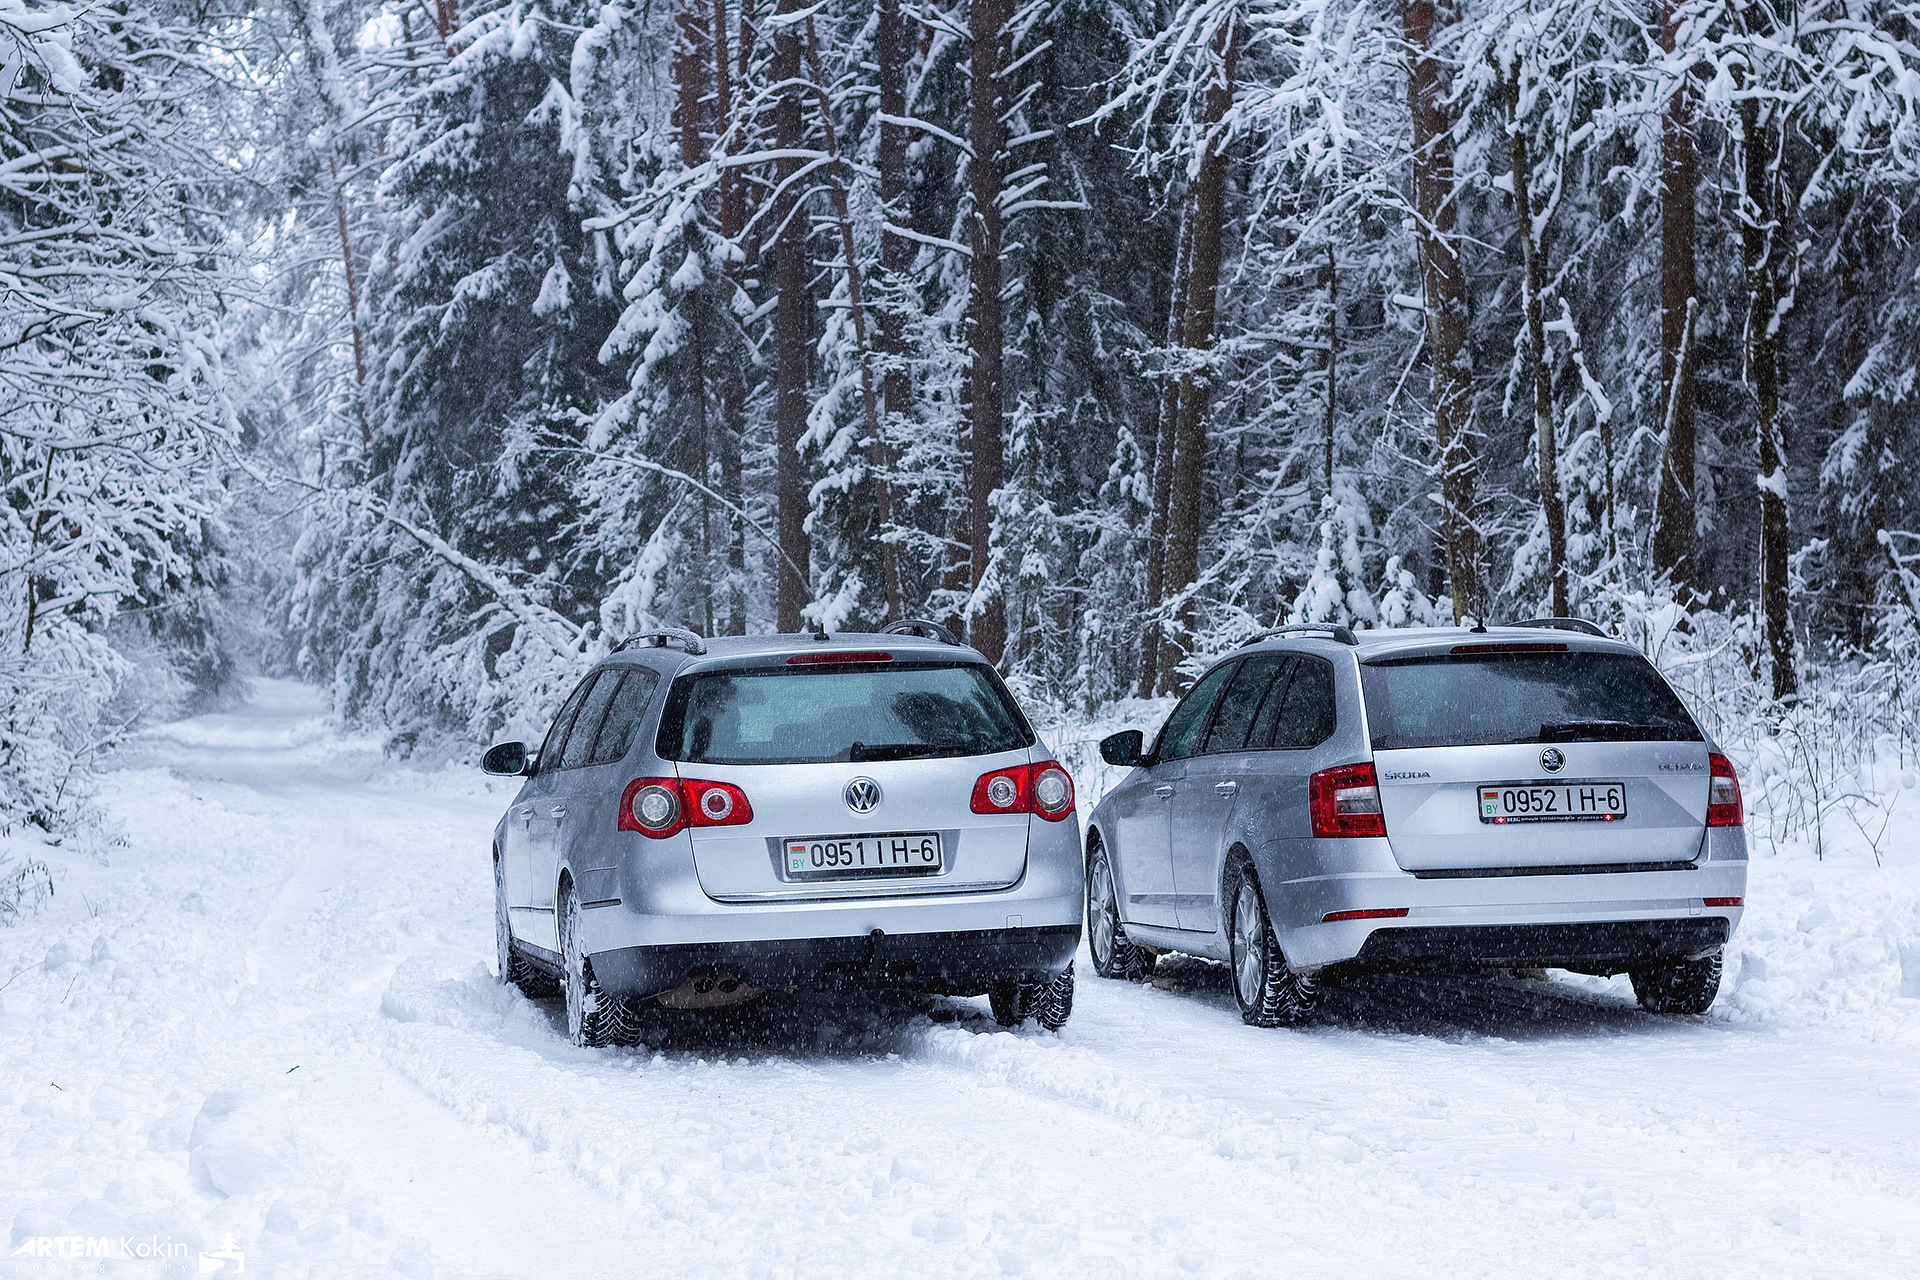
(1225, 789)
(1164, 790)
(558, 811)
(526, 816)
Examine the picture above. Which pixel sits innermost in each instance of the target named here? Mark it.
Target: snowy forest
(426, 350)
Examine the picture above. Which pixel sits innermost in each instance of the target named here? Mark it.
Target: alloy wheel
(1249, 945)
(502, 933)
(1103, 923)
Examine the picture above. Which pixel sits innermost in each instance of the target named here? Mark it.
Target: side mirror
(509, 759)
(1122, 748)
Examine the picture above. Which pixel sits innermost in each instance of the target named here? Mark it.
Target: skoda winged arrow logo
(863, 795)
(1552, 760)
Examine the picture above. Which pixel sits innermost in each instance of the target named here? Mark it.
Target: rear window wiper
(895, 751)
(1611, 731)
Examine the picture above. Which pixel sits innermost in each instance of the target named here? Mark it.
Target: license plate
(1504, 802)
(831, 857)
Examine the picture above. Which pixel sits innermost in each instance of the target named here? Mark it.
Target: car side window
(1245, 695)
(624, 714)
(1306, 717)
(1182, 731)
(1260, 736)
(551, 748)
(586, 725)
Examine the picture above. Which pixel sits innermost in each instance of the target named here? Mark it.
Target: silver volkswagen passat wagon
(1517, 797)
(710, 819)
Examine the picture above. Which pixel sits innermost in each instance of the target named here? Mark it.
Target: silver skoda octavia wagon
(1323, 802)
(710, 819)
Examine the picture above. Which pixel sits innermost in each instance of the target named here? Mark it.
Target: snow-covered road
(268, 1013)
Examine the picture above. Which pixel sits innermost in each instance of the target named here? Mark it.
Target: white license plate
(1504, 802)
(830, 857)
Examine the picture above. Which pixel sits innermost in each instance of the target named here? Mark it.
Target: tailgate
(1432, 801)
(808, 802)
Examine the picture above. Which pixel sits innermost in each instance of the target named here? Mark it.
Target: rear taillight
(653, 807)
(660, 807)
(715, 804)
(1345, 802)
(1723, 794)
(1043, 788)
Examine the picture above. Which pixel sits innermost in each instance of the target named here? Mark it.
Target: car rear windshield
(811, 714)
(1480, 699)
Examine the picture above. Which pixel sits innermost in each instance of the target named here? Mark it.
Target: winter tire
(594, 1018)
(1268, 992)
(1113, 955)
(1678, 986)
(1008, 1001)
(1051, 1003)
(514, 968)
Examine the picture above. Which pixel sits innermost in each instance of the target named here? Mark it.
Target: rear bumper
(654, 899)
(1610, 946)
(959, 963)
(1592, 920)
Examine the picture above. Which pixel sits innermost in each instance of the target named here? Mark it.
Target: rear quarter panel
(1271, 820)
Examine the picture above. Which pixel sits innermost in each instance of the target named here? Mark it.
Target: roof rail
(689, 641)
(1334, 629)
(920, 627)
(1581, 625)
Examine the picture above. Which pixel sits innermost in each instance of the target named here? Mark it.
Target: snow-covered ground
(264, 1022)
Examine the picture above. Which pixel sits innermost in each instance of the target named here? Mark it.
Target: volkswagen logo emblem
(1553, 760)
(863, 795)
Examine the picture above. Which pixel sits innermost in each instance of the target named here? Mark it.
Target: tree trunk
(689, 73)
(1446, 289)
(690, 78)
(733, 387)
(1547, 449)
(1675, 529)
(1333, 361)
(896, 257)
(1209, 197)
(1757, 224)
(792, 323)
(987, 19)
(1154, 633)
(353, 309)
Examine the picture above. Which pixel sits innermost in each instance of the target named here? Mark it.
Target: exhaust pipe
(708, 989)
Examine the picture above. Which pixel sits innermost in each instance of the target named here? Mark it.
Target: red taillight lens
(831, 656)
(660, 807)
(715, 804)
(1044, 789)
(1724, 808)
(1002, 791)
(1722, 902)
(1345, 802)
(653, 807)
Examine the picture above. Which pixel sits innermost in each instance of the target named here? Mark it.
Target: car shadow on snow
(856, 1022)
(1507, 1005)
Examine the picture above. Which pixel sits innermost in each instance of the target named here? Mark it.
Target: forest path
(272, 1016)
